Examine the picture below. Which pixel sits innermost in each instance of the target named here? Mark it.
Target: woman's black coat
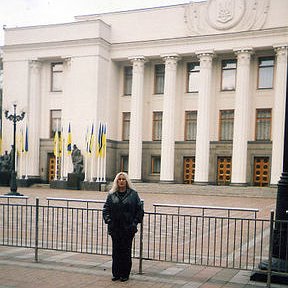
(122, 214)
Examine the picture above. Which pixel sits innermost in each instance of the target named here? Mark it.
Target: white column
(33, 114)
(168, 121)
(278, 114)
(67, 166)
(203, 119)
(136, 119)
(241, 117)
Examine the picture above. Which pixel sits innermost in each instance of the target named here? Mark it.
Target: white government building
(191, 93)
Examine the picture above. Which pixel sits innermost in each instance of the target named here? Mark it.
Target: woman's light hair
(114, 187)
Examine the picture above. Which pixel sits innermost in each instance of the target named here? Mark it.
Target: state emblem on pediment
(223, 13)
(226, 15)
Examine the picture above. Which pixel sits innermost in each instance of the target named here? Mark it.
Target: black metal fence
(229, 242)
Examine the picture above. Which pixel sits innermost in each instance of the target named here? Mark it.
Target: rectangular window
(228, 75)
(155, 164)
(124, 163)
(193, 70)
(56, 77)
(125, 126)
(157, 126)
(263, 124)
(128, 80)
(226, 125)
(55, 121)
(159, 78)
(265, 72)
(190, 125)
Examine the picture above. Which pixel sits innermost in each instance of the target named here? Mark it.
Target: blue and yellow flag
(99, 141)
(26, 147)
(87, 140)
(69, 141)
(61, 140)
(104, 137)
(91, 142)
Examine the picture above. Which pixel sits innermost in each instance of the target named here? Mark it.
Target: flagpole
(26, 174)
(91, 153)
(16, 161)
(86, 154)
(105, 154)
(20, 164)
(26, 149)
(21, 153)
(56, 152)
(98, 168)
(56, 160)
(69, 151)
(98, 153)
(62, 158)
(92, 169)
(101, 168)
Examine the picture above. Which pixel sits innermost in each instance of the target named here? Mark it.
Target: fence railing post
(141, 243)
(36, 228)
(141, 249)
(271, 239)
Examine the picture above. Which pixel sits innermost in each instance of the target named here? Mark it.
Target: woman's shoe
(115, 278)
(124, 279)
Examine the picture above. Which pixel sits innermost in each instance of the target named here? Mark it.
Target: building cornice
(57, 44)
(220, 43)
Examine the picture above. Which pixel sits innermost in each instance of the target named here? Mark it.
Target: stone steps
(251, 191)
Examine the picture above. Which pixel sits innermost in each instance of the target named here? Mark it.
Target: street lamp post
(14, 118)
(279, 259)
(280, 245)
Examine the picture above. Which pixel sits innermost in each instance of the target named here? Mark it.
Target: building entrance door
(189, 170)
(224, 169)
(261, 171)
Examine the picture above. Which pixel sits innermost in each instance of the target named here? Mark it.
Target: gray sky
(36, 12)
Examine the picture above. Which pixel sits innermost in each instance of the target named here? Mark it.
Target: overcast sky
(35, 12)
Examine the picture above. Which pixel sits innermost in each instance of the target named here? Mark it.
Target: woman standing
(122, 212)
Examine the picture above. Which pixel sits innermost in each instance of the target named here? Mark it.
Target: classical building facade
(191, 93)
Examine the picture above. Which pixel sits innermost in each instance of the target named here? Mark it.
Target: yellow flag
(56, 144)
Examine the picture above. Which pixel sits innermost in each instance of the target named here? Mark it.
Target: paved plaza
(66, 269)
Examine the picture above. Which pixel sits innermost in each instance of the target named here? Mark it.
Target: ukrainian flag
(103, 136)
(91, 142)
(99, 141)
(69, 141)
(26, 141)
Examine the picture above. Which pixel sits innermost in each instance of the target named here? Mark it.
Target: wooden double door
(52, 167)
(189, 170)
(224, 170)
(261, 171)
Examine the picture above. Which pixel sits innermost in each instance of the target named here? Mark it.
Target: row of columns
(242, 117)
